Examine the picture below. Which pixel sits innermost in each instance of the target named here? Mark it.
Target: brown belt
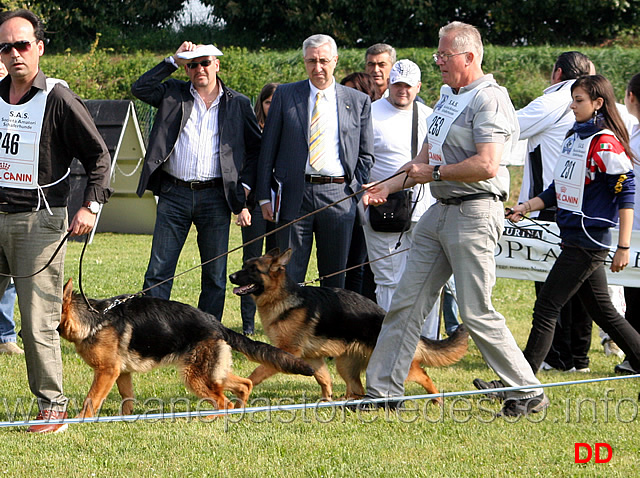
(313, 179)
(194, 185)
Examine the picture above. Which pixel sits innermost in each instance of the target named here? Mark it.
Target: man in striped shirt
(201, 163)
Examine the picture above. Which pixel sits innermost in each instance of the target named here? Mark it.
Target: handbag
(394, 215)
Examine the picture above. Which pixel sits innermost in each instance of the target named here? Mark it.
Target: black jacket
(237, 125)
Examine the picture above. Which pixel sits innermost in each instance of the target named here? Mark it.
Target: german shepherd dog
(143, 333)
(318, 322)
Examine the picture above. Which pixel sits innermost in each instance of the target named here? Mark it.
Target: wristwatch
(436, 173)
(92, 206)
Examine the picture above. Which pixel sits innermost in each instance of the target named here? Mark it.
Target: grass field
(461, 439)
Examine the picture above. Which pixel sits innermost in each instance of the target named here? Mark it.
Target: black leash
(64, 239)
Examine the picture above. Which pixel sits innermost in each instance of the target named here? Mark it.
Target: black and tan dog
(143, 333)
(318, 322)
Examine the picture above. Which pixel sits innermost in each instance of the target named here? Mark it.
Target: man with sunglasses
(200, 162)
(472, 127)
(44, 126)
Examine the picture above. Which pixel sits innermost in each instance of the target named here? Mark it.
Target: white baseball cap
(201, 50)
(405, 71)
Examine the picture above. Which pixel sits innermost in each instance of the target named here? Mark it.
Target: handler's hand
(620, 260)
(82, 223)
(516, 213)
(375, 195)
(420, 172)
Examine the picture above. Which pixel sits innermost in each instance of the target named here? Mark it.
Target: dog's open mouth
(245, 289)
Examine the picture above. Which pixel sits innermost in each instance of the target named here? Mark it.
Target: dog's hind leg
(125, 387)
(418, 375)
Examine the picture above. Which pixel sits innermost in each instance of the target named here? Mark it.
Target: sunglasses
(196, 64)
(20, 46)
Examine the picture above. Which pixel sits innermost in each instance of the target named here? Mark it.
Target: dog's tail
(268, 355)
(439, 353)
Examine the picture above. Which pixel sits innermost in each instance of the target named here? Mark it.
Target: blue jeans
(178, 208)
(7, 325)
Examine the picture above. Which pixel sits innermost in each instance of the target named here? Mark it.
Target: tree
(71, 23)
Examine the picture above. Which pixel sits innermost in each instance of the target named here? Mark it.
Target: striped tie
(317, 139)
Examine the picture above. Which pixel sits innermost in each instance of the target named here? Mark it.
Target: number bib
(445, 112)
(20, 128)
(570, 171)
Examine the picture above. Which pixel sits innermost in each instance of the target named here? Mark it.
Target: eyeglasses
(445, 57)
(196, 64)
(20, 46)
(314, 61)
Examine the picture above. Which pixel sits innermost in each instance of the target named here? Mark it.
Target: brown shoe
(48, 415)
(10, 348)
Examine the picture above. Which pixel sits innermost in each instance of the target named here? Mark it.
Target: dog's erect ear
(275, 252)
(284, 258)
(67, 292)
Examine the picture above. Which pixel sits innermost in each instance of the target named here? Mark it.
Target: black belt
(317, 179)
(469, 197)
(194, 185)
(11, 209)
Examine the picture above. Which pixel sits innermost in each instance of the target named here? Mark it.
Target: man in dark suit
(318, 142)
(200, 163)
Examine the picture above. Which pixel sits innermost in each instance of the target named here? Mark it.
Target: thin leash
(351, 268)
(143, 291)
(544, 226)
(64, 239)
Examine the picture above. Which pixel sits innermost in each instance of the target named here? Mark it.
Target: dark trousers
(259, 226)
(360, 279)
(572, 337)
(578, 272)
(632, 299)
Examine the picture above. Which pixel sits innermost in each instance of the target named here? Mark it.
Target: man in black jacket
(201, 163)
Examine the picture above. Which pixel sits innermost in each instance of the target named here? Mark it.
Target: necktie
(317, 137)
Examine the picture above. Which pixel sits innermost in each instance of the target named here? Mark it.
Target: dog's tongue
(241, 290)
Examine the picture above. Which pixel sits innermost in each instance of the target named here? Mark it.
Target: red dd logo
(598, 456)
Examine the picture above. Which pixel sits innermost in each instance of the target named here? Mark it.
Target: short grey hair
(467, 38)
(380, 48)
(316, 41)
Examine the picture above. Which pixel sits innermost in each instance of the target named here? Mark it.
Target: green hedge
(524, 71)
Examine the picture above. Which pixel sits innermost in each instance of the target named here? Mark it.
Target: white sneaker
(10, 348)
(546, 367)
(580, 370)
(611, 348)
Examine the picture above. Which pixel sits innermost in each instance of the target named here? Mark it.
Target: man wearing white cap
(399, 126)
(201, 163)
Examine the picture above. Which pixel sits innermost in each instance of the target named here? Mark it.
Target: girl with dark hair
(361, 82)
(593, 187)
(263, 102)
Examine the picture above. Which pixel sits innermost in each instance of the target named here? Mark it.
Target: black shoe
(514, 407)
(248, 332)
(624, 368)
(366, 405)
(482, 385)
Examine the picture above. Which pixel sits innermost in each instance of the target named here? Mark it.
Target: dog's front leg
(103, 380)
(261, 373)
(125, 387)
